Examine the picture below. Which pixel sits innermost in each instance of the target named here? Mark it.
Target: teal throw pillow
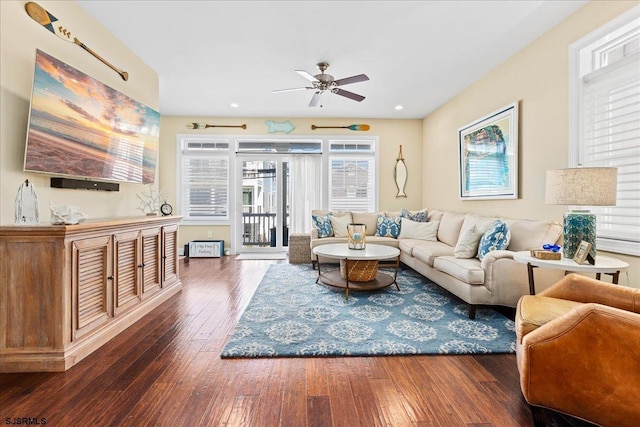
(496, 238)
(323, 224)
(388, 227)
(420, 216)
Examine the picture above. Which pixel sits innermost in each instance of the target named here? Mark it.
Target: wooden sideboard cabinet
(65, 290)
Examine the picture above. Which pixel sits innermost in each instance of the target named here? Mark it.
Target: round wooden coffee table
(348, 276)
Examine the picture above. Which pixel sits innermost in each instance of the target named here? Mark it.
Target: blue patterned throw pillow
(496, 238)
(388, 227)
(420, 216)
(323, 224)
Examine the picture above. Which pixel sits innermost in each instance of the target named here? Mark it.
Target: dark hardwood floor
(166, 371)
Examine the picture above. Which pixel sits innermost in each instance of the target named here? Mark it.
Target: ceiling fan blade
(290, 90)
(352, 79)
(317, 98)
(348, 94)
(307, 75)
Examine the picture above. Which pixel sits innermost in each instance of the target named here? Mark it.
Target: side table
(300, 248)
(603, 265)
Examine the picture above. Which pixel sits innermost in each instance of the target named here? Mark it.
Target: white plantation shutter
(605, 122)
(352, 176)
(351, 185)
(611, 114)
(204, 176)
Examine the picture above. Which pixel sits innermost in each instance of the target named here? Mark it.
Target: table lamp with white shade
(581, 187)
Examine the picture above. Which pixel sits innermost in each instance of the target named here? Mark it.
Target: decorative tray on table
(542, 254)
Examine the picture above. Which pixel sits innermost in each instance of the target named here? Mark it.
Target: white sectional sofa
(437, 252)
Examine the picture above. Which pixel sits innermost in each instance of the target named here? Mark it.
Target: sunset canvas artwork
(80, 127)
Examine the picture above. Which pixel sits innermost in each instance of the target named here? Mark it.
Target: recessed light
(398, 107)
(234, 105)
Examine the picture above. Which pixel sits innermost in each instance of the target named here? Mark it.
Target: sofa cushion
(407, 245)
(473, 227)
(419, 216)
(386, 241)
(418, 230)
(483, 222)
(320, 212)
(323, 225)
(388, 227)
(449, 229)
(339, 224)
(467, 246)
(368, 219)
(434, 215)
(528, 234)
(466, 270)
(496, 238)
(428, 251)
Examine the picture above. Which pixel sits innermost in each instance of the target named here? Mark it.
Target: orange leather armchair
(578, 350)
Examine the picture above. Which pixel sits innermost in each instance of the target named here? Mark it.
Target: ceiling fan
(325, 83)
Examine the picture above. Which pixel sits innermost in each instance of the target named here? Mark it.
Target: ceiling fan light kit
(321, 83)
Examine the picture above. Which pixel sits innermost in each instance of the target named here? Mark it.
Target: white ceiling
(210, 54)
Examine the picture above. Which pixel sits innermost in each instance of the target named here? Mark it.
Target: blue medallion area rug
(292, 316)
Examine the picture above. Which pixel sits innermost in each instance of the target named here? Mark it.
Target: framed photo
(488, 156)
(582, 252)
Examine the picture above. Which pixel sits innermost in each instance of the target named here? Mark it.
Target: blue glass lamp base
(579, 226)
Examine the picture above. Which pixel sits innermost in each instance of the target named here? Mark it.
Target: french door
(262, 208)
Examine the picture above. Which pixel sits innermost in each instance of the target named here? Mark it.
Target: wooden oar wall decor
(352, 127)
(51, 23)
(204, 126)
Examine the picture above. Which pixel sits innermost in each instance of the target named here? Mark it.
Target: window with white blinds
(204, 179)
(352, 176)
(609, 129)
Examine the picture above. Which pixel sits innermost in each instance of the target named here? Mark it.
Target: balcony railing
(259, 229)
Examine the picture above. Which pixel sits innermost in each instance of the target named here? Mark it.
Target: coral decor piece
(151, 200)
(67, 215)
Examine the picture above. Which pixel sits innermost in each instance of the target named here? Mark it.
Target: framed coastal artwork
(488, 156)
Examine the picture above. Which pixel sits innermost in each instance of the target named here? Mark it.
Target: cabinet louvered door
(150, 265)
(127, 292)
(92, 284)
(169, 255)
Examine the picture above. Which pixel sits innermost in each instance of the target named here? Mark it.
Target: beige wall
(20, 36)
(537, 77)
(391, 133)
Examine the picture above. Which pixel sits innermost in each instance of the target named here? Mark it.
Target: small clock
(166, 209)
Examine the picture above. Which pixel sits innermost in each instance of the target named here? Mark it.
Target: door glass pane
(259, 203)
